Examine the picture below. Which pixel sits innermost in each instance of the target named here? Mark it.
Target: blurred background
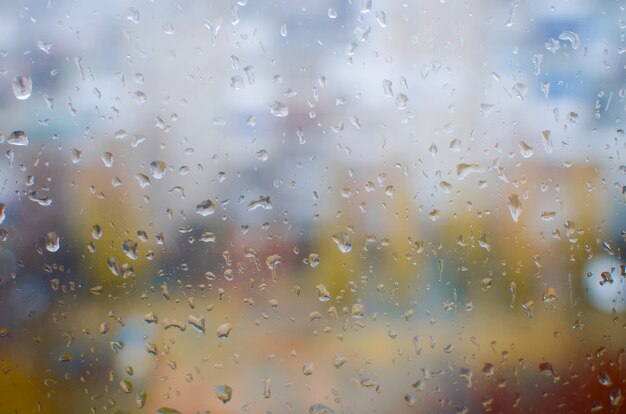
(348, 206)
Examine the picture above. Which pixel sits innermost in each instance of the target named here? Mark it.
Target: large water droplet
(130, 249)
(263, 202)
(206, 207)
(22, 87)
(322, 293)
(143, 180)
(515, 207)
(463, 170)
(18, 138)
(224, 330)
(343, 241)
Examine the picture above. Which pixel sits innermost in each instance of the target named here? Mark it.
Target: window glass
(314, 206)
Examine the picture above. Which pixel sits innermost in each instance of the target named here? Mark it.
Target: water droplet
(521, 90)
(279, 109)
(549, 295)
(387, 88)
(76, 155)
(528, 308)
(224, 393)
(463, 170)
(196, 322)
(616, 397)
(486, 109)
(339, 360)
(131, 249)
(263, 202)
(322, 293)
(343, 241)
(42, 200)
(434, 214)
(44, 46)
(313, 260)
(546, 368)
(332, 13)
(571, 37)
(283, 30)
(158, 169)
(320, 409)
(52, 242)
(401, 100)
(96, 231)
(224, 330)
(126, 386)
(381, 18)
(168, 410)
(143, 180)
(114, 265)
(107, 159)
(605, 278)
(307, 369)
(116, 346)
(22, 87)
(525, 150)
(236, 82)
(409, 399)
(18, 138)
(357, 311)
(140, 399)
(547, 141)
(206, 208)
(515, 207)
(267, 387)
(139, 97)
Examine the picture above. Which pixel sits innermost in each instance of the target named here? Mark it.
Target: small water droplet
(158, 169)
(571, 37)
(224, 393)
(44, 46)
(167, 410)
(320, 409)
(279, 109)
(525, 150)
(52, 242)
